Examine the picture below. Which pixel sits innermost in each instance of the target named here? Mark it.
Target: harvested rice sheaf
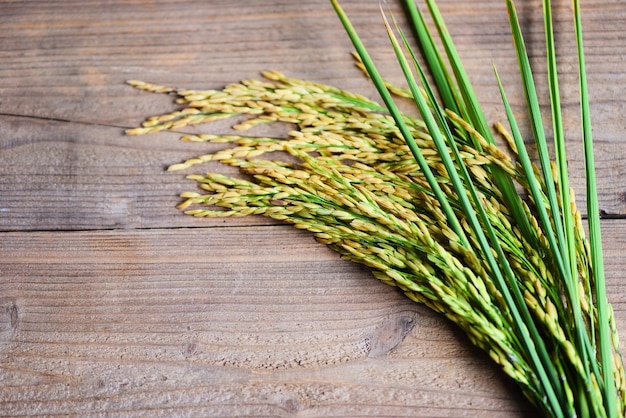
(438, 223)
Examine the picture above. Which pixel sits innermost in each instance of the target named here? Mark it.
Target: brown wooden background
(114, 303)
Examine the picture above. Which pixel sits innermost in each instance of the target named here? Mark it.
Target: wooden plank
(69, 176)
(256, 321)
(193, 320)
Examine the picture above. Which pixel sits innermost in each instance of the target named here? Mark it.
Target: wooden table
(112, 302)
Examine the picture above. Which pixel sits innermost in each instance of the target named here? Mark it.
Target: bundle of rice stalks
(432, 204)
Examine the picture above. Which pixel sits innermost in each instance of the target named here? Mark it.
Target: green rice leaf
(398, 117)
(462, 182)
(595, 239)
(476, 117)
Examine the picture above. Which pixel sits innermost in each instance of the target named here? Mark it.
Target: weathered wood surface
(112, 302)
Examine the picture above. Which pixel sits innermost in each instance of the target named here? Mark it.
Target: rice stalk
(430, 204)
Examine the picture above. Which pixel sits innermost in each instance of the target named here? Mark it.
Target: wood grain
(190, 318)
(190, 321)
(114, 303)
